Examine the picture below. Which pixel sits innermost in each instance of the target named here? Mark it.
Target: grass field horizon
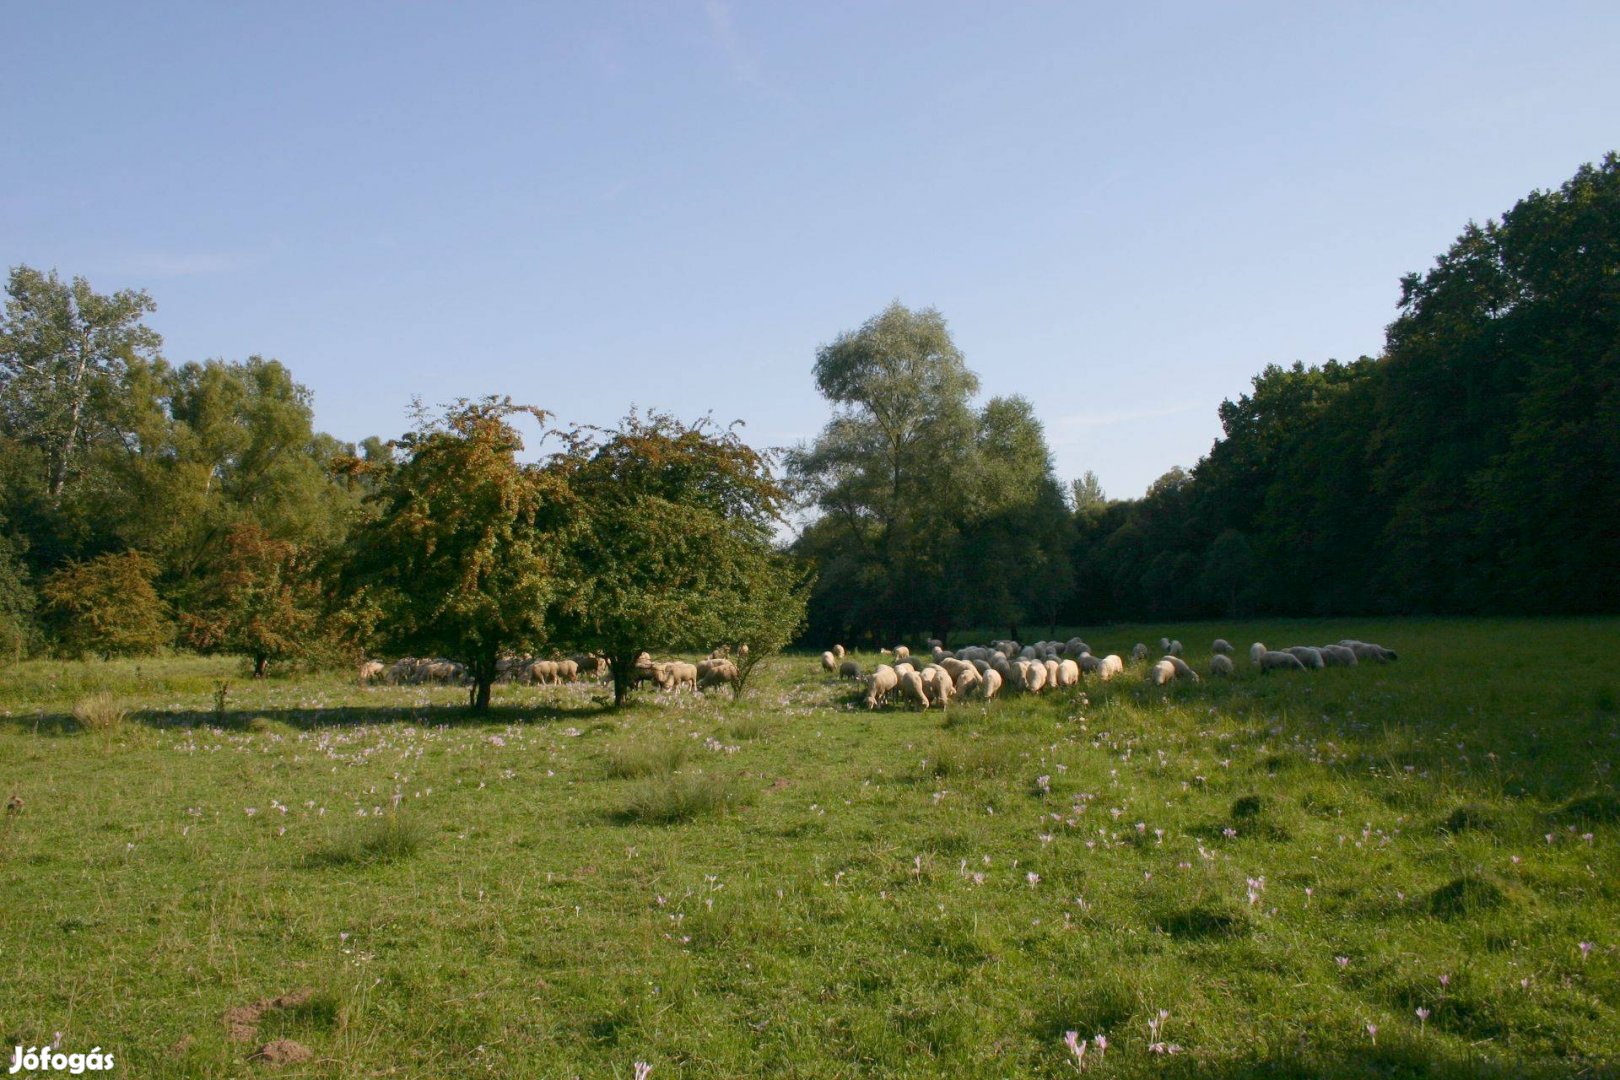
(1397, 870)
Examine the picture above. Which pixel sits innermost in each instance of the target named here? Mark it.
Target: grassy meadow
(1402, 870)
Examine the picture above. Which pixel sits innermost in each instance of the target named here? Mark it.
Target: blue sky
(1124, 211)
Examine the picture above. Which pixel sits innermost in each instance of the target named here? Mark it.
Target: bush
(108, 607)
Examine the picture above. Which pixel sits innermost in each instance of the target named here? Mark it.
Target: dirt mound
(242, 1022)
(281, 1052)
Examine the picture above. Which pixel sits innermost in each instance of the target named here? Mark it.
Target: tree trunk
(259, 661)
(621, 680)
(481, 685)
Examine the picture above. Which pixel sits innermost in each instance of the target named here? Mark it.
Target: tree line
(1470, 468)
(146, 506)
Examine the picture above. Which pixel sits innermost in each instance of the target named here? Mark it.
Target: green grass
(798, 887)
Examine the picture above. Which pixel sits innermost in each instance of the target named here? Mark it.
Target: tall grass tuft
(389, 837)
(633, 760)
(678, 798)
(99, 712)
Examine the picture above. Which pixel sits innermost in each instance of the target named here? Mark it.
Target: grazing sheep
(717, 671)
(1164, 644)
(901, 652)
(967, 680)
(721, 653)
(1051, 673)
(1174, 650)
(938, 652)
(1308, 656)
(567, 670)
(1183, 669)
(981, 666)
(1068, 672)
(904, 666)
(1089, 664)
(1221, 664)
(591, 666)
(1139, 653)
(1034, 677)
(883, 682)
(1367, 651)
(849, 669)
(1111, 665)
(912, 689)
(829, 662)
(838, 651)
(370, 671)
(1279, 661)
(1256, 651)
(1338, 656)
(990, 683)
(938, 686)
(935, 643)
(1222, 647)
(1162, 673)
(543, 672)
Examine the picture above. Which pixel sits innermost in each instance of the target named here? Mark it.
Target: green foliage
(673, 546)
(108, 607)
(933, 514)
(261, 601)
(63, 349)
(460, 558)
(17, 600)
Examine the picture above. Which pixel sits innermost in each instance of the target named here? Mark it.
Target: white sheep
(1308, 656)
(1221, 647)
(1034, 676)
(1183, 669)
(1162, 673)
(1338, 655)
(912, 689)
(1279, 661)
(371, 670)
(838, 651)
(883, 682)
(989, 683)
(1368, 651)
(1256, 651)
(717, 671)
(938, 686)
(902, 652)
(967, 680)
(1111, 665)
(829, 662)
(1068, 672)
(1221, 664)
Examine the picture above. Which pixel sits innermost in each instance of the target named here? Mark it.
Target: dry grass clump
(99, 712)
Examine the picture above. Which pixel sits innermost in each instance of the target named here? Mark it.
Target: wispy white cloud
(744, 64)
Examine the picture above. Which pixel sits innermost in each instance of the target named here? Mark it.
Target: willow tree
(673, 546)
(880, 471)
(460, 558)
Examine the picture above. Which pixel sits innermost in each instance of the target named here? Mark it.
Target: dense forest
(1470, 468)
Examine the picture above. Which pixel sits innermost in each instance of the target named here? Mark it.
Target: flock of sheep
(982, 671)
(718, 670)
